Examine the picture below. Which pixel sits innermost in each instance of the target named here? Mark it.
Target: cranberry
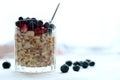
(23, 28)
(37, 31)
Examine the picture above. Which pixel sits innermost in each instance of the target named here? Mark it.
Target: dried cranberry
(23, 28)
(37, 31)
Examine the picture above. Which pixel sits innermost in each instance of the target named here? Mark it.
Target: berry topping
(34, 20)
(17, 23)
(92, 63)
(20, 18)
(40, 23)
(27, 18)
(64, 68)
(76, 68)
(52, 26)
(24, 28)
(37, 31)
(46, 25)
(6, 65)
(42, 30)
(32, 25)
(69, 63)
(49, 31)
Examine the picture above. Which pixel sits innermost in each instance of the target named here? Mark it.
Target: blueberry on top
(46, 25)
(52, 26)
(6, 65)
(27, 20)
(49, 31)
(69, 63)
(20, 18)
(76, 68)
(34, 20)
(64, 68)
(32, 25)
(17, 23)
(40, 23)
(20, 23)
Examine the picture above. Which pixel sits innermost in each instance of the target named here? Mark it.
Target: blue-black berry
(40, 23)
(6, 65)
(81, 63)
(64, 68)
(17, 23)
(76, 68)
(84, 64)
(20, 18)
(88, 60)
(52, 26)
(49, 31)
(69, 63)
(32, 26)
(46, 25)
(76, 63)
(92, 63)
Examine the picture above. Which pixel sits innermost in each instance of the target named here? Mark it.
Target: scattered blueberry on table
(6, 65)
(76, 68)
(69, 63)
(64, 68)
(76, 65)
(85, 65)
(92, 63)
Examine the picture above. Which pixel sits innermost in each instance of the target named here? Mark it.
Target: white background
(79, 22)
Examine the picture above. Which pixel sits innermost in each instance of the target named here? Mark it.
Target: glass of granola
(34, 45)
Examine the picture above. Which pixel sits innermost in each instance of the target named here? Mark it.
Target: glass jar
(34, 46)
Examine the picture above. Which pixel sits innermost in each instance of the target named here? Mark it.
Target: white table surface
(107, 68)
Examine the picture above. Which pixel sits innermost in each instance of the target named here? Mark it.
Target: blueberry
(20, 18)
(69, 63)
(84, 64)
(27, 18)
(49, 31)
(34, 20)
(76, 63)
(17, 23)
(64, 68)
(92, 63)
(46, 25)
(52, 26)
(32, 25)
(81, 63)
(88, 60)
(6, 65)
(20, 23)
(40, 23)
(76, 68)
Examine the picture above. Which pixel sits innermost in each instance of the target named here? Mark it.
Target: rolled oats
(34, 51)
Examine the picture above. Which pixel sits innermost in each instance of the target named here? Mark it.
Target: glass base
(35, 69)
